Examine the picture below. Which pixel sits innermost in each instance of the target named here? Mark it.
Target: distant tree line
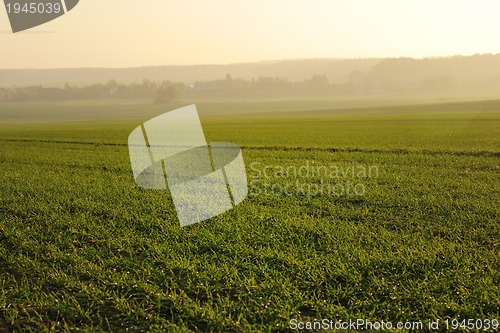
(112, 90)
(228, 87)
(166, 91)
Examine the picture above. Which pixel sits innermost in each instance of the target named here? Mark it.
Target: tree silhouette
(165, 94)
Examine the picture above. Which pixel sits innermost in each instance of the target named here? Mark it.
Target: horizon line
(258, 62)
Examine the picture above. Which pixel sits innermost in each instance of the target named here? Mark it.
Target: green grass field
(83, 249)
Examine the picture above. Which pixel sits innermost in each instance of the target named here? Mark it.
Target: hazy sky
(124, 33)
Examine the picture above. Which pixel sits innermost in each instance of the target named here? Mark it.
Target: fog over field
(394, 80)
(481, 68)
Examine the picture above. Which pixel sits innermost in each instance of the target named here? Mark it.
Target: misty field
(82, 248)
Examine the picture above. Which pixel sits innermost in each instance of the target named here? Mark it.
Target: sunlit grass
(81, 247)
